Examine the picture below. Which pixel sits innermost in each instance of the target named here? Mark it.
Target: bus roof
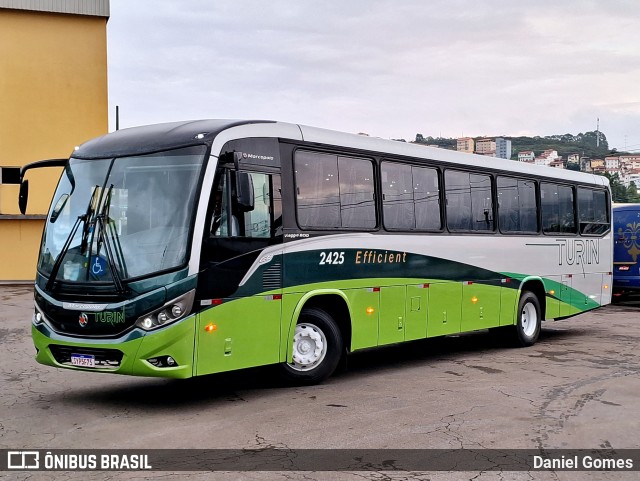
(154, 138)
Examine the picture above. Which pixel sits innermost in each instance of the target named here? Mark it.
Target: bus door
(240, 324)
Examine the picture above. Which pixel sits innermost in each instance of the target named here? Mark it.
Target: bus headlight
(38, 315)
(170, 312)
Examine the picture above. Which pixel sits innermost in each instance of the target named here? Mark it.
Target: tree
(619, 192)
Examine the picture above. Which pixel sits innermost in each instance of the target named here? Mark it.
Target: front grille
(105, 358)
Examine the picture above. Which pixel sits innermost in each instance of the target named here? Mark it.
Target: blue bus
(626, 250)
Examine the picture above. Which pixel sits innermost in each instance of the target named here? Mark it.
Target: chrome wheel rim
(529, 319)
(309, 347)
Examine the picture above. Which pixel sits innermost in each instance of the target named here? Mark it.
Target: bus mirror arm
(24, 184)
(236, 160)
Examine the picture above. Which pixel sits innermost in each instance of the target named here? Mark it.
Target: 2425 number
(331, 258)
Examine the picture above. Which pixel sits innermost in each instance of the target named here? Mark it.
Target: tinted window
(557, 209)
(517, 205)
(357, 208)
(426, 194)
(469, 201)
(410, 196)
(262, 219)
(397, 196)
(318, 190)
(593, 211)
(334, 192)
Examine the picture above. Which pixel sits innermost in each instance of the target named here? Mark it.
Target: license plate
(84, 360)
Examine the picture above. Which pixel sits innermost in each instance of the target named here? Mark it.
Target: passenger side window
(517, 210)
(334, 191)
(410, 197)
(469, 201)
(558, 216)
(593, 211)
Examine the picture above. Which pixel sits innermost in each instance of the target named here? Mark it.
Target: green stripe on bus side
(571, 301)
(257, 330)
(402, 309)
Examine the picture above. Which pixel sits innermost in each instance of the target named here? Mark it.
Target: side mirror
(24, 196)
(244, 192)
(24, 184)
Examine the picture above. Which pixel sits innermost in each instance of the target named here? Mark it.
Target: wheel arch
(535, 285)
(334, 302)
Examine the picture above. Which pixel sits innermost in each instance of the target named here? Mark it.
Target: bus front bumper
(133, 353)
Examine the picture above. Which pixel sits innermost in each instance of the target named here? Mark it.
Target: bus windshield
(131, 214)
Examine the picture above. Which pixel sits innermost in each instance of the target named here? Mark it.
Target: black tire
(316, 330)
(528, 320)
(618, 296)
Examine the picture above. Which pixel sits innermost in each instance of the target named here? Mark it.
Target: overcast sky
(390, 68)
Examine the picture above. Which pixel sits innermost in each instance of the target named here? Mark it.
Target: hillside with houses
(586, 152)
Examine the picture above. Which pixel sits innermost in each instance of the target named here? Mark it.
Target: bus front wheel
(529, 320)
(316, 348)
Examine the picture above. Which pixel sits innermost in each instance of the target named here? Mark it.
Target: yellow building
(465, 144)
(53, 96)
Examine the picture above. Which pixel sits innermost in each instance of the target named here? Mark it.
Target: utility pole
(597, 132)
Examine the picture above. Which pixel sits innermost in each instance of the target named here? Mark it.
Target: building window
(9, 175)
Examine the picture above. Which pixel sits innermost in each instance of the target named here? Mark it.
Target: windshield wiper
(83, 245)
(105, 226)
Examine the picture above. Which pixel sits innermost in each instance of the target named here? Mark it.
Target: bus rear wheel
(529, 320)
(316, 348)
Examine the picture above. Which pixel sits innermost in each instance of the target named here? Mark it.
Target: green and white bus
(192, 248)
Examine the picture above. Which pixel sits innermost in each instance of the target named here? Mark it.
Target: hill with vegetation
(584, 144)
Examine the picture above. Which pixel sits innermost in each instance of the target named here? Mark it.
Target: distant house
(573, 159)
(630, 161)
(546, 157)
(542, 160)
(632, 176)
(558, 163)
(597, 165)
(465, 144)
(485, 146)
(550, 154)
(612, 164)
(526, 156)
